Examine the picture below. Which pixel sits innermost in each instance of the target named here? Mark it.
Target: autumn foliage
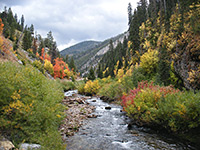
(27, 111)
(1, 30)
(148, 103)
(1, 26)
(59, 68)
(142, 86)
(42, 54)
(48, 66)
(91, 87)
(47, 57)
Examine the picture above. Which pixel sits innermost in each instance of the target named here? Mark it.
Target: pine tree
(22, 22)
(99, 72)
(124, 46)
(10, 17)
(142, 11)
(134, 31)
(111, 46)
(34, 46)
(67, 59)
(41, 44)
(91, 75)
(129, 13)
(49, 40)
(72, 64)
(15, 17)
(163, 68)
(139, 16)
(12, 32)
(53, 52)
(153, 10)
(27, 40)
(32, 29)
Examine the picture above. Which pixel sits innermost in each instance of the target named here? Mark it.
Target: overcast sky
(73, 21)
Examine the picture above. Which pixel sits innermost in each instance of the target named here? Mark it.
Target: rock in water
(6, 145)
(26, 146)
(108, 107)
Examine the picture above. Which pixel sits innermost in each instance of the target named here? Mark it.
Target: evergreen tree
(49, 40)
(72, 64)
(15, 17)
(10, 18)
(134, 31)
(53, 52)
(22, 22)
(32, 29)
(163, 69)
(139, 16)
(91, 75)
(153, 10)
(41, 44)
(142, 11)
(111, 46)
(124, 46)
(27, 40)
(12, 32)
(67, 59)
(99, 72)
(34, 46)
(129, 13)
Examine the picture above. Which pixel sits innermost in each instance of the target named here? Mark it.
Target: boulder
(108, 107)
(26, 146)
(6, 145)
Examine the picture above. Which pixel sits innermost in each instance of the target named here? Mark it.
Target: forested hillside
(163, 40)
(155, 73)
(30, 98)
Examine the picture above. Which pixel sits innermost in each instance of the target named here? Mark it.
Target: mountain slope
(97, 54)
(89, 53)
(80, 47)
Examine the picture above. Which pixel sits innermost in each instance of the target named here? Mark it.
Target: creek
(110, 131)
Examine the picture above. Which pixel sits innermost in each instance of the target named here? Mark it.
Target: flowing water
(110, 131)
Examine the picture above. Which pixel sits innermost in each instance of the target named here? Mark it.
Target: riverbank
(110, 130)
(77, 110)
(190, 137)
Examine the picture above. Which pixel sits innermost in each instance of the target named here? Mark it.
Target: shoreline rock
(27, 146)
(5, 144)
(78, 111)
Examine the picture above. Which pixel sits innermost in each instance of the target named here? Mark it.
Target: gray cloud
(12, 2)
(73, 21)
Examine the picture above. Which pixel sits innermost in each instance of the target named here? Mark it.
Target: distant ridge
(89, 53)
(80, 47)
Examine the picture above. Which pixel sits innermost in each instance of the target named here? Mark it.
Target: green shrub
(130, 82)
(68, 85)
(91, 87)
(38, 65)
(113, 90)
(149, 60)
(80, 86)
(181, 111)
(30, 106)
(48, 66)
(174, 110)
